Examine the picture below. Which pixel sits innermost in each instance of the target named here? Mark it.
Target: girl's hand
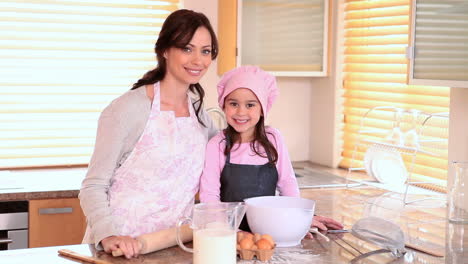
(129, 246)
(325, 223)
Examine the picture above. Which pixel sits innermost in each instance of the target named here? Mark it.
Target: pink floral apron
(157, 183)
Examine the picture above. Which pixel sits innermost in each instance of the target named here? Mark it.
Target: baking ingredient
(257, 237)
(246, 240)
(255, 245)
(240, 235)
(248, 235)
(214, 246)
(269, 238)
(263, 244)
(246, 243)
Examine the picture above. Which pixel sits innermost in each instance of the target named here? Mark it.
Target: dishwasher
(13, 225)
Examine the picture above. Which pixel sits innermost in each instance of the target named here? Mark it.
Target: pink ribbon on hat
(261, 83)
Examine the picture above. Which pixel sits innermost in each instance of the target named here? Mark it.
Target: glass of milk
(214, 232)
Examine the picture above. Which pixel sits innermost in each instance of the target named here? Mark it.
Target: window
(375, 74)
(62, 63)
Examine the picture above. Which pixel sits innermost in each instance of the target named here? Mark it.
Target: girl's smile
(240, 121)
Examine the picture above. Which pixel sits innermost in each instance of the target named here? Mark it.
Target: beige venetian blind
(62, 61)
(375, 74)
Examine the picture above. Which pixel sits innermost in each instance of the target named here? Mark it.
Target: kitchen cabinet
(438, 50)
(54, 222)
(286, 38)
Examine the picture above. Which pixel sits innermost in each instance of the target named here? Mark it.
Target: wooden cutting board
(75, 255)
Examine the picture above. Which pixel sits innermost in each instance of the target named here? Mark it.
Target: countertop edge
(26, 196)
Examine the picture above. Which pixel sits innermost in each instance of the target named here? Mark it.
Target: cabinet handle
(64, 210)
(6, 241)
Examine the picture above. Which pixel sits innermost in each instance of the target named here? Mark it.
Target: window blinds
(375, 74)
(62, 63)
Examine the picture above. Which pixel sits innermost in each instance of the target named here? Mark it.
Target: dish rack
(410, 133)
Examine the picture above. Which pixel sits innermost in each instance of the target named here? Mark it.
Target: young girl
(248, 159)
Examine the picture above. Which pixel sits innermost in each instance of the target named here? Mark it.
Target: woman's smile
(193, 72)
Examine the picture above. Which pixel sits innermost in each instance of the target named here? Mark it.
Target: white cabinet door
(438, 51)
(284, 37)
(287, 38)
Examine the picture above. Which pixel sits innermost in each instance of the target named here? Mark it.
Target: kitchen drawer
(55, 222)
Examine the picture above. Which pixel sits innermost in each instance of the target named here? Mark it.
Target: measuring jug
(214, 232)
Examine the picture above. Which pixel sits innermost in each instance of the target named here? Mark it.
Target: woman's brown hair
(177, 31)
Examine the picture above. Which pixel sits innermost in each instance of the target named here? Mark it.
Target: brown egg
(249, 235)
(240, 235)
(264, 244)
(270, 239)
(257, 237)
(246, 243)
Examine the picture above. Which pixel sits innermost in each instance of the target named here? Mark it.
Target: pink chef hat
(261, 83)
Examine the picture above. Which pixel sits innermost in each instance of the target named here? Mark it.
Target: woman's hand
(129, 246)
(325, 223)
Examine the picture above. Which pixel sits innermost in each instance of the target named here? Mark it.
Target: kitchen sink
(309, 178)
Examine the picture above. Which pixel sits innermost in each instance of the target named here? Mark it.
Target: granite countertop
(423, 224)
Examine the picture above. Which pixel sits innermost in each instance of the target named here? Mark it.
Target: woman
(150, 143)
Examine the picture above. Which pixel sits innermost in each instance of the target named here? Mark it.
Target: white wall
(325, 101)
(209, 81)
(291, 114)
(458, 131)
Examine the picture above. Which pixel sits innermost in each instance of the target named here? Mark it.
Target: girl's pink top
(215, 159)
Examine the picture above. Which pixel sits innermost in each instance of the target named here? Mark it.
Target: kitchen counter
(423, 223)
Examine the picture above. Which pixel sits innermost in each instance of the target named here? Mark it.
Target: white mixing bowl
(286, 219)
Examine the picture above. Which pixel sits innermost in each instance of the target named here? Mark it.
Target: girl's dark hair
(260, 139)
(177, 31)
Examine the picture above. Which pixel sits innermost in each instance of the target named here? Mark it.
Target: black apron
(242, 181)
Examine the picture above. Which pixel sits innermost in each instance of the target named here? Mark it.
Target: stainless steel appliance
(13, 225)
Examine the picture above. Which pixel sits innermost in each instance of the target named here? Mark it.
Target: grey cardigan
(120, 126)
